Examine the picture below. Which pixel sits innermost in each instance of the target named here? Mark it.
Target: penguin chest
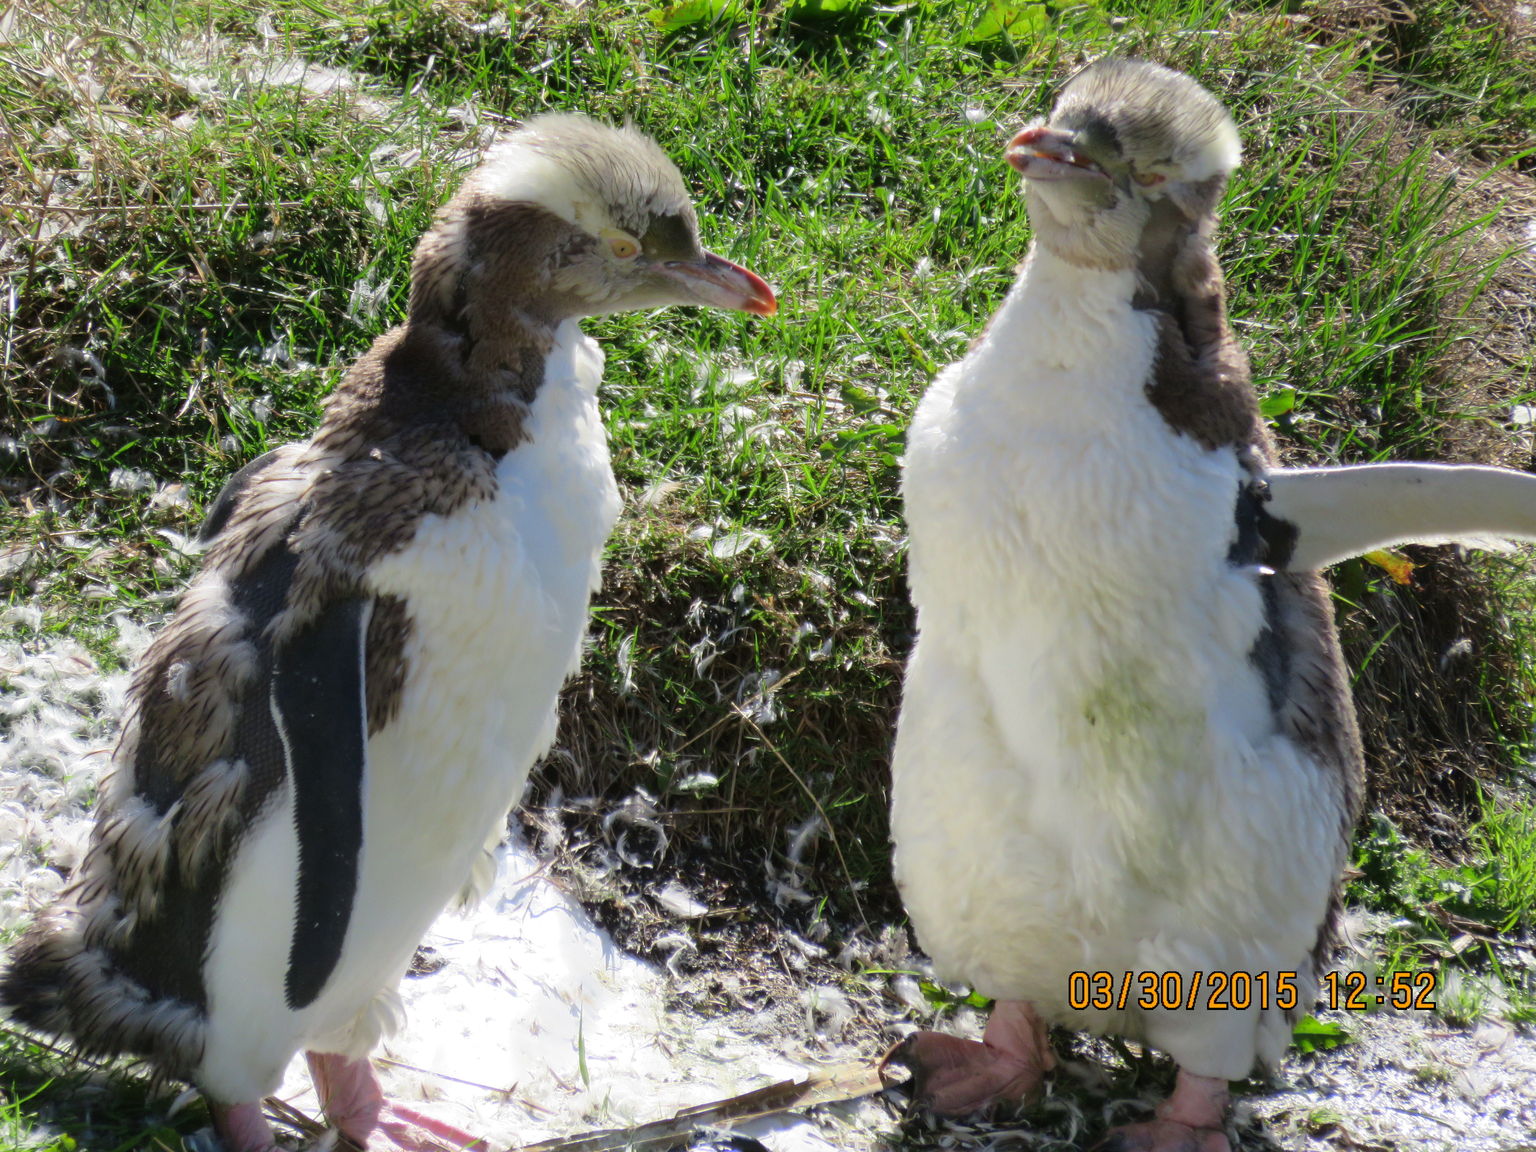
(495, 597)
(1073, 542)
(496, 603)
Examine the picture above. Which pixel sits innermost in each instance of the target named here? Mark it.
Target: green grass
(194, 249)
(53, 1103)
(1471, 922)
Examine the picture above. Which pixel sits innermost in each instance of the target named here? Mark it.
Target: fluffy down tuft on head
(590, 174)
(1155, 113)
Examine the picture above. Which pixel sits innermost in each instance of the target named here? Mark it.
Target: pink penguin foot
(1163, 1136)
(956, 1077)
(242, 1128)
(1191, 1120)
(354, 1103)
(415, 1131)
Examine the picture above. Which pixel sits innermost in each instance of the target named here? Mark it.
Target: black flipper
(1262, 540)
(224, 503)
(319, 698)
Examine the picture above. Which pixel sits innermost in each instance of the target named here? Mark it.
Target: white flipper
(1347, 511)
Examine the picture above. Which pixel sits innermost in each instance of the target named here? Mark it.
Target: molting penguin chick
(328, 734)
(1126, 745)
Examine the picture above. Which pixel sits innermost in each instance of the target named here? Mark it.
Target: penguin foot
(242, 1127)
(354, 1104)
(1191, 1120)
(1163, 1136)
(414, 1131)
(956, 1077)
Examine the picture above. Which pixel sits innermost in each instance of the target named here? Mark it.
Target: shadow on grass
(70, 1104)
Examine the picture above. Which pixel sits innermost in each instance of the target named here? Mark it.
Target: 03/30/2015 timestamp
(1240, 991)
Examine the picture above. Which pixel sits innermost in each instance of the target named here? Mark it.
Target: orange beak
(722, 283)
(1046, 154)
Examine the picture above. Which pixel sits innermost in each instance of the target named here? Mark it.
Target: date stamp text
(1240, 991)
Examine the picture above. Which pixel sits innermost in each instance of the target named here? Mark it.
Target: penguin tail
(58, 981)
(32, 983)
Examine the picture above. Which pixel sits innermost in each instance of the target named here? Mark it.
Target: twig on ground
(843, 1082)
(285, 1113)
(504, 1093)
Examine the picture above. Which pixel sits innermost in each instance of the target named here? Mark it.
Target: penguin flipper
(1341, 512)
(319, 700)
(235, 487)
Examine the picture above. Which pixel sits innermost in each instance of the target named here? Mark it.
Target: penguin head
(570, 217)
(1125, 140)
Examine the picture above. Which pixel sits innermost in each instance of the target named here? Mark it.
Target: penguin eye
(1148, 179)
(622, 245)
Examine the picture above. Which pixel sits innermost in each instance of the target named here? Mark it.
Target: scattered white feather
(58, 722)
(678, 901)
(728, 545)
(131, 480)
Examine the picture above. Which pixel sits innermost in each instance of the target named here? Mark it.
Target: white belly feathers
(497, 597)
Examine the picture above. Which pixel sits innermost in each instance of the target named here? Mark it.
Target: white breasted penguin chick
(1126, 746)
(328, 734)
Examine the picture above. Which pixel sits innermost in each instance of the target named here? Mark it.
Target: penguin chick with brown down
(326, 737)
(1126, 746)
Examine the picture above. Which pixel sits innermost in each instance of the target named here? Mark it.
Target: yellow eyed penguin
(1126, 754)
(331, 729)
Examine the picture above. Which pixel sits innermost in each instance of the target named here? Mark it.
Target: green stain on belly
(1117, 706)
(1134, 736)
(1132, 718)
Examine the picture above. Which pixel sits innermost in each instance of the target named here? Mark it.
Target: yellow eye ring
(1148, 180)
(622, 245)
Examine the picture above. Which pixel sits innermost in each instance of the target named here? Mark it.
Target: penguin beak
(1045, 154)
(721, 283)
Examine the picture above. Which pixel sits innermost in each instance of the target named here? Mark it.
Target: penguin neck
(422, 375)
(508, 359)
(1163, 237)
(1060, 314)
(1089, 285)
